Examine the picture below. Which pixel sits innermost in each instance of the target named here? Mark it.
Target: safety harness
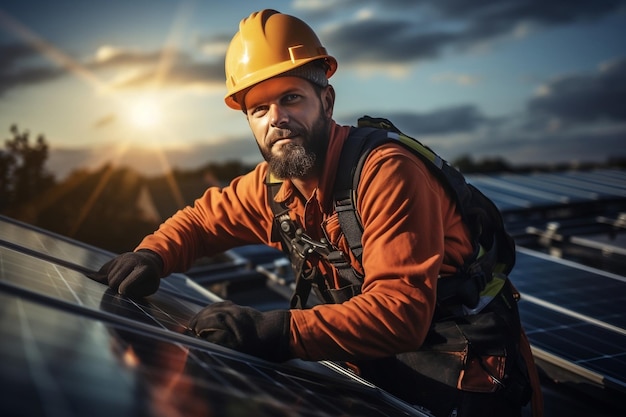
(458, 335)
(493, 248)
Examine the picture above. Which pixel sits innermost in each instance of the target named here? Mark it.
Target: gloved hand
(135, 274)
(261, 334)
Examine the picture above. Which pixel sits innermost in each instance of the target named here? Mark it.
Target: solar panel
(72, 347)
(574, 314)
(512, 192)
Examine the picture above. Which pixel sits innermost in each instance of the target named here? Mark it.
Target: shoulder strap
(356, 148)
(370, 134)
(494, 249)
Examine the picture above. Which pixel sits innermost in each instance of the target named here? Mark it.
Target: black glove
(261, 334)
(135, 274)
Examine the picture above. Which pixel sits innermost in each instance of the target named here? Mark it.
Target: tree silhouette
(23, 176)
(98, 207)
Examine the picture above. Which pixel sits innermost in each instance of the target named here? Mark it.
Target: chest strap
(301, 249)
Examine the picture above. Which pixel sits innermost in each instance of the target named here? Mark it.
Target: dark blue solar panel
(523, 191)
(582, 343)
(72, 347)
(52, 245)
(542, 184)
(594, 293)
(529, 197)
(574, 313)
(59, 363)
(608, 182)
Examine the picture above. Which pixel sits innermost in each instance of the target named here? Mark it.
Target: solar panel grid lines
(533, 254)
(94, 352)
(507, 184)
(595, 191)
(574, 313)
(183, 287)
(252, 383)
(613, 180)
(585, 348)
(51, 244)
(504, 201)
(514, 192)
(595, 296)
(546, 184)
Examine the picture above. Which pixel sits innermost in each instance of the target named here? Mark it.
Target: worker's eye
(291, 98)
(258, 111)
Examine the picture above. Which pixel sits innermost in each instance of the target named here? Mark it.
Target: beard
(300, 160)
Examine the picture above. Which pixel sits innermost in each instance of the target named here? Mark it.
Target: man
(277, 73)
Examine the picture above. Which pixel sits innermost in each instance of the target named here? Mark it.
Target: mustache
(283, 133)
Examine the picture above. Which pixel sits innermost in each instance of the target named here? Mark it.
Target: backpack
(458, 335)
(493, 247)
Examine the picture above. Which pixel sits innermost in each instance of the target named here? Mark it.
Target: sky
(142, 82)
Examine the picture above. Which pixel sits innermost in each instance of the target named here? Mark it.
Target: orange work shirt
(412, 235)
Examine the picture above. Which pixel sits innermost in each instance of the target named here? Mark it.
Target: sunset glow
(145, 114)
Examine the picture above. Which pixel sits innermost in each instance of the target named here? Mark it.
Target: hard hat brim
(234, 99)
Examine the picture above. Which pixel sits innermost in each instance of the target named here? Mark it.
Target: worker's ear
(328, 100)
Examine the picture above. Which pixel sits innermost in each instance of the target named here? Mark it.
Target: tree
(466, 165)
(23, 176)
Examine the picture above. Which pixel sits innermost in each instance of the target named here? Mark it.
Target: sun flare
(145, 114)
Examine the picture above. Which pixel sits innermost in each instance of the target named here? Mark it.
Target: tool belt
(473, 353)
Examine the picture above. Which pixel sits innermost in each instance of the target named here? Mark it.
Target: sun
(145, 113)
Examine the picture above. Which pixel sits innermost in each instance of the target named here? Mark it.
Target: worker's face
(290, 122)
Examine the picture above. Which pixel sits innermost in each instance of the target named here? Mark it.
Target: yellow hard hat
(268, 44)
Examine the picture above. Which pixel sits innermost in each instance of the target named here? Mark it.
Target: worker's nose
(278, 115)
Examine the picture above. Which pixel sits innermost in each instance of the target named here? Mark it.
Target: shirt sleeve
(220, 219)
(408, 221)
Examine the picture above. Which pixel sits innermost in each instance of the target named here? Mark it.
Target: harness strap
(346, 183)
(463, 288)
(284, 231)
(299, 247)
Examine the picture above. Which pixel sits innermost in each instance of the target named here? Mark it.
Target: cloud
(108, 56)
(497, 14)
(583, 98)
(10, 53)
(392, 33)
(405, 31)
(167, 67)
(373, 41)
(539, 146)
(194, 75)
(14, 73)
(459, 79)
(214, 46)
(449, 120)
(576, 117)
